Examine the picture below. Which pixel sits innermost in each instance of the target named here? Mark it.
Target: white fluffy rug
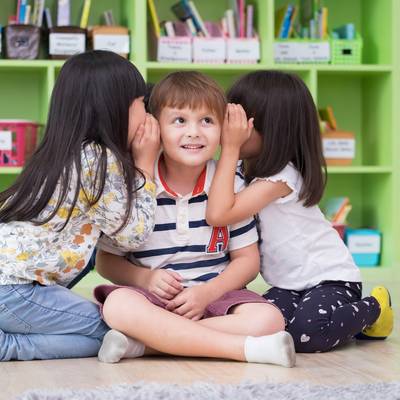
(210, 391)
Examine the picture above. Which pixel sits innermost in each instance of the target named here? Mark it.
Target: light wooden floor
(359, 362)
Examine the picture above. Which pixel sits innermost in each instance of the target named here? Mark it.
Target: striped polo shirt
(182, 240)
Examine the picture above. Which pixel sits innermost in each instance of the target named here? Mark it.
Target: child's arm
(224, 207)
(242, 269)
(110, 210)
(162, 283)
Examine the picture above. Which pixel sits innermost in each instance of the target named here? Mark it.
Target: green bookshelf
(365, 97)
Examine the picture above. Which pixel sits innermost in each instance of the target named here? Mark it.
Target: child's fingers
(183, 309)
(167, 288)
(176, 302)
(139, 134)
(162, 294)
(173, 282)
(243, 116)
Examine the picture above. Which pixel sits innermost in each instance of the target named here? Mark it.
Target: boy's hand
(146, 145)
(165, 284)
(236, 128)
(190, 303)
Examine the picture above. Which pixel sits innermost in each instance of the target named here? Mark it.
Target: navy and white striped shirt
(182, 240)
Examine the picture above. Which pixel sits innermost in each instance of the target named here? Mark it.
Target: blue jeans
(46, 322)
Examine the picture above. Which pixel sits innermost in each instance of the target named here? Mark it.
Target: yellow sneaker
(383, 326)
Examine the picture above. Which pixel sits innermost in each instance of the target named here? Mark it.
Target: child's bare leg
(250, 319)
(132, 314)
(173, 334)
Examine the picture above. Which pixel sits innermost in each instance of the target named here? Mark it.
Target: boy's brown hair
(188, 89)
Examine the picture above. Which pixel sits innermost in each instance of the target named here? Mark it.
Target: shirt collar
(202, 185)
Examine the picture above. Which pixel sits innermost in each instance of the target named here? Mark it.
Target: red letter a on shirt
(219, 240)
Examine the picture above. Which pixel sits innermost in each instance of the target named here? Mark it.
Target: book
(154, 18)
(22, 11)
(284, 34)
(181, 10)
(169, 28)
(63, 13)
(48, 18)
(335, 206)
(85, 14)
(327, 115)
(292, 21)
(40, 11)
(198, 21)
(108, 18)
(230, 22)
(250, 21)
(241, 26)
(27, 14)
(191, 27)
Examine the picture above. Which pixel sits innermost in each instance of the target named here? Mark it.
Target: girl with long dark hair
(314, 280)
(92, 173)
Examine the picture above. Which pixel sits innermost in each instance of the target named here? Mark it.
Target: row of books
(35, 11)
(311, 24)
(237, 21)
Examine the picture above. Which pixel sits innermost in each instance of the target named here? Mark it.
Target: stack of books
(236, 22)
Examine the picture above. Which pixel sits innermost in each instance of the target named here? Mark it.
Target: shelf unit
(365, 97)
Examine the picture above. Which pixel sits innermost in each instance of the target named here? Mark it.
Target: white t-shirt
(299, 248)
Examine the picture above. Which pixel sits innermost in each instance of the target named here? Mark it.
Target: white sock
(273, 349)
(116, 346)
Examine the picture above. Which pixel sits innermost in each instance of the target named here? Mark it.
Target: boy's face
(189, 137)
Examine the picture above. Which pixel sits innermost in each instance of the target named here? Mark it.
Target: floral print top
(30, 252)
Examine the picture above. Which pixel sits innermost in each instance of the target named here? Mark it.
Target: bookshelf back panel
(361, 104)
(23, 94)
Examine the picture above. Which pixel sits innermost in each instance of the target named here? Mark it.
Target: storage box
(242, 50)
(174, 49)
(18, 140)
(111, 38)
(364, 246)
(22, 41)
(65, 41)
(339, 147)
(302, 51)
(210, 50)
(344, 51)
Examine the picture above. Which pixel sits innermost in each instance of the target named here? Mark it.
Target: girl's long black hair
(89, 105)
(286, 118)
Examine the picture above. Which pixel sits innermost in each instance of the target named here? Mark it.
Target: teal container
(365, 246)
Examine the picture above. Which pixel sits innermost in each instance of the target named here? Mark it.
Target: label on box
(116, 43)
(177, 49)
(5, 140)
(286, 52)
(302, 52)
(364, 244)
(212, 50)
(339, 148)
(66, 44)
(243, 49)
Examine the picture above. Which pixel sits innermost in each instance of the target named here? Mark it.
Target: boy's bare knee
(116, 306)
(268, 320)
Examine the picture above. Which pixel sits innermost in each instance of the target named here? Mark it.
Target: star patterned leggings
(325, 316)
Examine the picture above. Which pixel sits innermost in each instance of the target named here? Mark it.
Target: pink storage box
(18, 140)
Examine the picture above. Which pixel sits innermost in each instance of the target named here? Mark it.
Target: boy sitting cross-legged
(182, 291)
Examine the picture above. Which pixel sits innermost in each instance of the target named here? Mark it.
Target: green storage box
(344, 51)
